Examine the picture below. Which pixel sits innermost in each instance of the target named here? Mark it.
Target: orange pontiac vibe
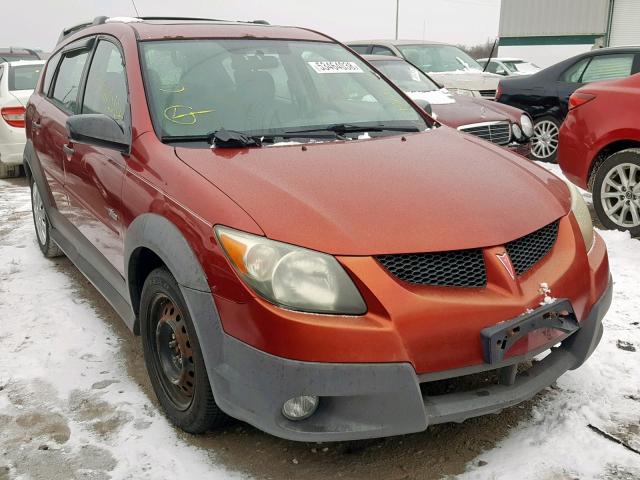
(297, 244)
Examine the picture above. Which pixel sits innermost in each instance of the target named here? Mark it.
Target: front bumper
(368, 400)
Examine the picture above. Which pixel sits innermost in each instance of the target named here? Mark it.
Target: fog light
(299, 408)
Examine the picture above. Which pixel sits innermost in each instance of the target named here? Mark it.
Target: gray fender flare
(156, 233)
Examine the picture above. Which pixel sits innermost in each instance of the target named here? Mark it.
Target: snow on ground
(605, 392)
(68, 409)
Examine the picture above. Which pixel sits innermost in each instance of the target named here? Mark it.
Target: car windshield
(407, 77)
(24, 77)
(521, 66)
(439, 58)
(265, 87)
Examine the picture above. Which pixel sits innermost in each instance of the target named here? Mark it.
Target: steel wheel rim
(620, 195)
(172, 352)
(545, 139)
(39, 215)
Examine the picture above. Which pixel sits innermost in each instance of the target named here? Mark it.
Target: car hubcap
(39, 215)
(545, 139)
(173, 352)
(620, 195)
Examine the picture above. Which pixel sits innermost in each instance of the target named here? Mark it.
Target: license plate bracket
(498, 339)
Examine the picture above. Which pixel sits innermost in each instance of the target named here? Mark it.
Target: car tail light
(498, 91)
(14, 116)
(578, 99)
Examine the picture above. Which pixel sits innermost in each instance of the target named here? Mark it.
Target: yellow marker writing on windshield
(183, 115)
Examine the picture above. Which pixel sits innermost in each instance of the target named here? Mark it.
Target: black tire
(539, 149)
(188, 400)
(630, 196)
(47, 245)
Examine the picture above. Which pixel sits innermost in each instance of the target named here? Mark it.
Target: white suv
(17, 81)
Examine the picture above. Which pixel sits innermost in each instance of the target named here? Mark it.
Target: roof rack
(201, 19)
(103, 19)
(69, 30)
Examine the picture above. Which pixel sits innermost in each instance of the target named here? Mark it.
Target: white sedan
(17, 81)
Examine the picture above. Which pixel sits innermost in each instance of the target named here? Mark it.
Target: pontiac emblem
(506, 263)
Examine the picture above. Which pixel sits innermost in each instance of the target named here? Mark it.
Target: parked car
(600, 149)
(12, 54)
(509, 67)
(298, 244)
(545, 95)
(447, 64)
(17, 81)
(501, 124)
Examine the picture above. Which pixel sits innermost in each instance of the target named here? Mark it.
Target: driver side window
(106, 90)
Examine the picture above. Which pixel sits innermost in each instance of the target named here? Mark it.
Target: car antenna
(135, 8)
(490, 54)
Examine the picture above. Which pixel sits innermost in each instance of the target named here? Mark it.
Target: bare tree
(482, 50)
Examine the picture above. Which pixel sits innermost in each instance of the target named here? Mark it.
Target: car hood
(467, 80)
(458, 110)
(432, 191)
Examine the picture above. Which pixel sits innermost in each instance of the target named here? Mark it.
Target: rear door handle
(68, 151)
(36, 125)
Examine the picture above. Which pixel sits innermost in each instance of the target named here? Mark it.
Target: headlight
(583, 217)
(289, 276)
(517, 131)
(527, 125)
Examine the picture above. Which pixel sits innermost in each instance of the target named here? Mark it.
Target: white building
(547, 31)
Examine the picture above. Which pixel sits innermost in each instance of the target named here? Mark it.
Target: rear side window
(65, 90)
(608, 67)
(24, 77)
(106, 90)
(574, 72)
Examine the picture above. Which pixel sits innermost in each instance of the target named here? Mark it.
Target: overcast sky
(37, 23)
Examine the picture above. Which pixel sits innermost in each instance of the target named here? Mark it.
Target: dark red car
(501, 124)
(600, 149)
(297, 244)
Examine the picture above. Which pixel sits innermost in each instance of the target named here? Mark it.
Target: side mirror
(99, 130)
(425, 105)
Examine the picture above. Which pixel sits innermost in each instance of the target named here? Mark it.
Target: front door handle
(68, 151)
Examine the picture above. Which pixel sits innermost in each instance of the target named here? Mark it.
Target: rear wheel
(173, 356)
(43, 227)
(616, 191)
(544, 143)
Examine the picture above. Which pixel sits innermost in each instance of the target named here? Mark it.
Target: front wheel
(616, 191)
(544, 143)
(173, 357)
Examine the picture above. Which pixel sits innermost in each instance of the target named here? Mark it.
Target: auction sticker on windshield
(335, 67)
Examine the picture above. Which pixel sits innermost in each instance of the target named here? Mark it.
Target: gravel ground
(75, 401)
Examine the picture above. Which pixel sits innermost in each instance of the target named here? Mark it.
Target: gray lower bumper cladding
(359, 401)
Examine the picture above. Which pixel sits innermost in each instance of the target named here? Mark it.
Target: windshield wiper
(342, 128)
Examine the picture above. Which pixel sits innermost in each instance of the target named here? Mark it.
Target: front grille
(466, 268)
(495, 132)
(525, 252)
(488, 93)
(459, 268)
